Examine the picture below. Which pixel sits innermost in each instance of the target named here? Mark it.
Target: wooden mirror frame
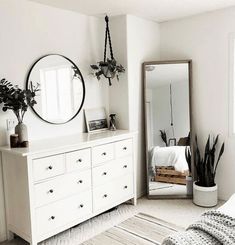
(189, 62)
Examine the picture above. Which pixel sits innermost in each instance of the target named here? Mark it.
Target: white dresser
(58, 183)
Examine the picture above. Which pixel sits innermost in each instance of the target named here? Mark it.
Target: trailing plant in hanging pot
(205, 188)
(18, 100)
(108, 67)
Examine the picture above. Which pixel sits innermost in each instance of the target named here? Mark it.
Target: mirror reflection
(168, 127)
(61, 88)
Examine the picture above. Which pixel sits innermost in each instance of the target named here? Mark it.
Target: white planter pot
(189, 185)
(205, 196)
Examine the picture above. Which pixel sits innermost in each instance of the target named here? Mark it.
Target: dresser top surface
(71, 141)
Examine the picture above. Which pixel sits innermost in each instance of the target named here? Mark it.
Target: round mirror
(61, 88)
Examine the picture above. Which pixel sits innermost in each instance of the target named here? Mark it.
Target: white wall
(143, 40)
(118, 92)
(2, 208)
(204, 39)
(161, 114)
(29, 31)
(180, 99)
(161, 111)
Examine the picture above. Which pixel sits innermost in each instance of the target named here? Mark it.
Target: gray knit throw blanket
(214, 228)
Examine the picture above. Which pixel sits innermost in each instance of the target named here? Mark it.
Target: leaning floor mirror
(167, 94)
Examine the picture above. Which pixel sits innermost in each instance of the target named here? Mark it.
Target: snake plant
(164, 136)
(206, 166)
(188, 159)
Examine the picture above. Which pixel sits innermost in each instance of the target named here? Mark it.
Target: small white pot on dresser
(205, 196)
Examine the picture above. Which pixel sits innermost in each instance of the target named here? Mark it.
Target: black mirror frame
(83, 86)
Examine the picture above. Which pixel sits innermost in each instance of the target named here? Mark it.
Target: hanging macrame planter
(108, 67)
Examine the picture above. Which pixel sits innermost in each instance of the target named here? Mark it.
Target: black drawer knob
(52, 217)
(51, 191)
(125, 148)
(105, 195)
(81, 206)
(79, 160)
(125, 187)
(50, 167)
(125, 166)
(80, 182)
(104, 173)
(104, 154)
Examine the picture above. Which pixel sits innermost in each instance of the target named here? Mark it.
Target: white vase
(189, 185)
(21, 130)
(205, 196)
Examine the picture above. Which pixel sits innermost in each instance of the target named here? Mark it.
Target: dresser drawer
(103, 173)
(62, 212)
(102, 153)
(124, 166)
(47, 167)
(123, 148)
(61, 187)
(125, 186)
(78, 160)
(111, 170)
(106, 195)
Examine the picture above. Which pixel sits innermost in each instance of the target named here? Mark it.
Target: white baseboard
(3, 237)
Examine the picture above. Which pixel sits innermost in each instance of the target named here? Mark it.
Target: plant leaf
(94, 67)
(220, 155)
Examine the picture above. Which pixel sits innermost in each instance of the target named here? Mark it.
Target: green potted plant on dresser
(17, 100)
(204, 188)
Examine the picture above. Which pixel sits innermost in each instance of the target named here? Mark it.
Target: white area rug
(140, 229)
(92, 227)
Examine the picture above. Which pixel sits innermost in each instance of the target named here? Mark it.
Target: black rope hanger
(108, 67)
(108, 38)
(173, 139)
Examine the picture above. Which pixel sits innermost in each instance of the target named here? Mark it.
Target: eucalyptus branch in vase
(18, 100)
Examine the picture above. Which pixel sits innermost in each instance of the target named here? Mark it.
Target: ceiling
(166, 74)
(157, 10)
